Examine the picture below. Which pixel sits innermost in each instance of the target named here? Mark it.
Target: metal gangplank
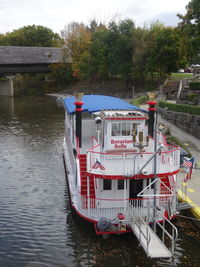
(153, 245)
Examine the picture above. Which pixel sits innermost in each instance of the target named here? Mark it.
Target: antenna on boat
(78, 111)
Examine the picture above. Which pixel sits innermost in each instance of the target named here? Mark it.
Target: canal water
(37, 227)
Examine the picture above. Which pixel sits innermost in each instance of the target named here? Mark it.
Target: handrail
(138, 221)
(125, 164)
(129, 199)
(173, 237)
(174, 148)
(147, 237)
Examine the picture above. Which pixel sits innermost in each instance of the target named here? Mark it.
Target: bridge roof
(30, 55)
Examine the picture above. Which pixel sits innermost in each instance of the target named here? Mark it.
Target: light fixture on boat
(98, 120)
(141, 144)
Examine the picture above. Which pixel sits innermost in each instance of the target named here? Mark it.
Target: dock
(188, 193)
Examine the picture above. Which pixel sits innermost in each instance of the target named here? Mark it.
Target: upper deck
(120, 146)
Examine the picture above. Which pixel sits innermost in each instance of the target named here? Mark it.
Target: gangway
(153, 245)
(150, 242)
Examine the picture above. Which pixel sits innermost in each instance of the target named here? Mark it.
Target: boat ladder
(153, 244)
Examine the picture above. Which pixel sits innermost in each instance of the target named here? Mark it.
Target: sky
(55, 14)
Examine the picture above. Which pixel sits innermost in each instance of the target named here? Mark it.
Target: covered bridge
(20, 59)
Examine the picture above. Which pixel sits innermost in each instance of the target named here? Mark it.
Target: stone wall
(187, 122)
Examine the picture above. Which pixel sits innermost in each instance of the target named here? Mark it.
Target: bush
(195, 110)
(194, 85)
(191, 97)
(140, 100)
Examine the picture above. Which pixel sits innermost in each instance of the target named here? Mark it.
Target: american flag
(188, 164)
(98, 165)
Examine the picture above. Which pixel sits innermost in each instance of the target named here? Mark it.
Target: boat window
(134, 128)
(123, 129)
(107, 184)
(116, 129)
(120, 185)
(126, 129)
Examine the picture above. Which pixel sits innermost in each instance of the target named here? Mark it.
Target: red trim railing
(130, 164)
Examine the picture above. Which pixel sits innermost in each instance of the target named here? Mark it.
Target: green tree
(163, 53)
(121, 50)
(31, 35)
(189, 28)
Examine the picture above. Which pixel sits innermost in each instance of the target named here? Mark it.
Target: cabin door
(135, 188)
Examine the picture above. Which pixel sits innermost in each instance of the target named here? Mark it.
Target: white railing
(95, 208)
(129, 164)
(166, 230)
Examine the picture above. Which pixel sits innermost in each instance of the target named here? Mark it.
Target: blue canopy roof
(94, 103)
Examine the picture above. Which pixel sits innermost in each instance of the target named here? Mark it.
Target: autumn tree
(77, 39)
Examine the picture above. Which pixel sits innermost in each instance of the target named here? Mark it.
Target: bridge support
(6, 86)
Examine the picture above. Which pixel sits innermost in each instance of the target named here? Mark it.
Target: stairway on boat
(153, 245)
(150, 242)
(165, 185)
(84, 185)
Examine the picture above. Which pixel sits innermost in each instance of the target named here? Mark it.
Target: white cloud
(56, 13)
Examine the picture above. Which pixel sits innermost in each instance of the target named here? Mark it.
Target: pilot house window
(123, 129)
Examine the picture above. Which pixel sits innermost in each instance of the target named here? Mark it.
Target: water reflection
(37, 227)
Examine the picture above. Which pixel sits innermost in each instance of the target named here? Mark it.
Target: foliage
(194, 85)
(139, 56)
(31, 35)
(121, 49)
(140, 100)
(77, 39)
(95, 61)
(61, 73)
(163, 52)
(195, 110)
(29, 84)
(190, 29)
(191, 97)
(179, 76)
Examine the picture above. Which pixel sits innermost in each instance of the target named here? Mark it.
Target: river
(37, 227)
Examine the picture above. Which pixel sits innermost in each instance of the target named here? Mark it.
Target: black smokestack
(78, 113)
(152, 110)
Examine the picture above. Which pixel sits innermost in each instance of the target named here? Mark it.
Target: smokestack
(78, 111)
(151, 110)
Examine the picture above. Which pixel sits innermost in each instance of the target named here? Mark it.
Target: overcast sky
(55, 14)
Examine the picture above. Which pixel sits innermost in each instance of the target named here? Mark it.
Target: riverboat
(121, 173)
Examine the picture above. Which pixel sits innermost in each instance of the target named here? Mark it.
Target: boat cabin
(121, 130)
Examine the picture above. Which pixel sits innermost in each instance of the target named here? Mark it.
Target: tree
(121, 49)
(163, 53)
(189, 28)
(31, 35)
(77, 39)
